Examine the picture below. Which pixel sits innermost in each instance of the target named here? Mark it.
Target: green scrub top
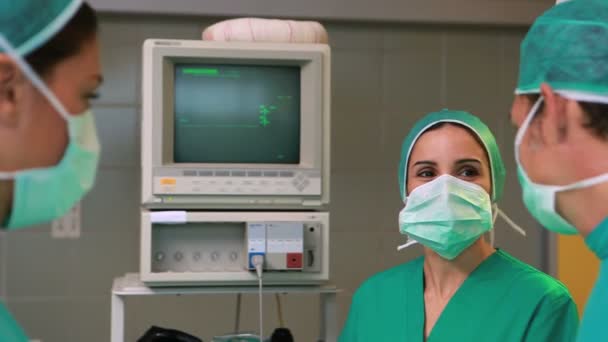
(503, 299)
(10, 331)
(594, 325)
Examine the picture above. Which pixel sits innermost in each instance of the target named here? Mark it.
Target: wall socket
(68, 226)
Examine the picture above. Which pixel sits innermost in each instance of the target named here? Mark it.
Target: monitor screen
(228, 113)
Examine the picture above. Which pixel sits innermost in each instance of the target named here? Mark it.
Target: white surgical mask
(447, 215)
(540, 199)
(44, 194)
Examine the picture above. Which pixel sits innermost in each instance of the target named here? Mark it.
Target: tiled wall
(384, 78)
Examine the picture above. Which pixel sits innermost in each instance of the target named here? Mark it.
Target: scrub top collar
(597, 240)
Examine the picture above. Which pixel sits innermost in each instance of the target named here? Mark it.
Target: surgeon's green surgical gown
(503, 299)
(9, 329)
(594, 326)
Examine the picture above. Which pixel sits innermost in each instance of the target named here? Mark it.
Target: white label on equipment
(285, 237)
(170, 217)
(256, 237)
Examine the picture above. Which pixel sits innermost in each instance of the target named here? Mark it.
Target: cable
(279, 311)
(258, 262)
(237, 320)
(261, 312)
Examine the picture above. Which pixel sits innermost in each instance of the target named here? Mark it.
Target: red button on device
(294, 260)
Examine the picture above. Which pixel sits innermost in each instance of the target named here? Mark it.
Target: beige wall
(384, 78)
(493, 12)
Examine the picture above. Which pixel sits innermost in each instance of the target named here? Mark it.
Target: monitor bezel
(157, 129)
(310, 89)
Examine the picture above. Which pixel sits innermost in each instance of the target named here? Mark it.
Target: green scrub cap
(28, 24)
(470, 121)
(567, 47)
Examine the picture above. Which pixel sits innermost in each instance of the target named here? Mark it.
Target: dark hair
(596, 119)
(533, 98)
(596, 116)
(67, 42)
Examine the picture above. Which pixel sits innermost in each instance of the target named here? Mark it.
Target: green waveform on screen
(264, 110)
(186, 122)
(201, 71)
(220, 126)
(211, 72)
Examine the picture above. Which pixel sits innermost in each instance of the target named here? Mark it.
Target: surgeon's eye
(426, 173)
(92, 96)
(468, 172)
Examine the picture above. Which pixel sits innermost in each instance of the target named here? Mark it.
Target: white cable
(261, 312)
(258, 262)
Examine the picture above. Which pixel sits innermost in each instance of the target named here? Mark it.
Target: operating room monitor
(238, 125)
(226, 113)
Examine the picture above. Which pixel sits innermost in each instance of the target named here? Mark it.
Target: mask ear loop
(410, 242)
(496, 211)
(510, 222)
(492, 232)
(38, 84)
(33, 77)
(519, 136)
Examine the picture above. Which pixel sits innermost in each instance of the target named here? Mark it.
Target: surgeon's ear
(9, 76)
(555, 115)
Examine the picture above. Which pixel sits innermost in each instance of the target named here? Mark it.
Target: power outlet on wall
(68, 226)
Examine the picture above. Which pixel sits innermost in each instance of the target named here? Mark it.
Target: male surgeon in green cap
(451, 177)
(49, 70)
(561, 109)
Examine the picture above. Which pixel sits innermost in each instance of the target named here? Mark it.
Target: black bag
(158, 334)
(281, 335)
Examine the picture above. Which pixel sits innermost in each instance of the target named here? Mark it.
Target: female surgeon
(462, 289)
(49, 69)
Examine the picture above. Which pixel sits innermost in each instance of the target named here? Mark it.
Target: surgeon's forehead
(448, 141)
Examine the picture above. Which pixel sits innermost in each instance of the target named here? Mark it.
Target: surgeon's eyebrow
(425, 162)
(468, 160)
